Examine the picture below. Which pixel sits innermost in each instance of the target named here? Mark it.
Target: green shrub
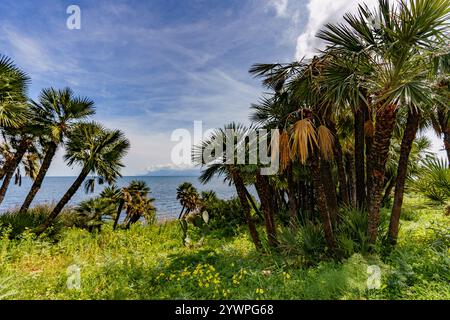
(351, 233)
(224, 214)
(18, 222)
(434, 181)
(305, 240)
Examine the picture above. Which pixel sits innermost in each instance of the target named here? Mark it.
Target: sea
(163, 190)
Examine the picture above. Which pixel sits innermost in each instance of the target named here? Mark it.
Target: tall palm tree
(219, 166)
(23, 141)
(13, 116)
(99, 151)
(397, 41)
(138, 203)
(57, 111)
(13, 87)
(189, 198)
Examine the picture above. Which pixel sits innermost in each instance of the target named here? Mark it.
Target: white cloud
(320, 13)
(280, 7)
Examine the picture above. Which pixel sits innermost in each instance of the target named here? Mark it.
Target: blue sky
(158, 65)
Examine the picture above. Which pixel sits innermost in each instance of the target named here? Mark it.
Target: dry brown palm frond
(304, 139)
(326, 141)
(369, 128)
(285, 152)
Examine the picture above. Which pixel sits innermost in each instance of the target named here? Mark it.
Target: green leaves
(97, 149)
(13, 86)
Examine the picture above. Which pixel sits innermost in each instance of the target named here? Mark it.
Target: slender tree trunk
(262, 187)
(330, 190)
(359, 158)
(388, 191)
(368, 139)
(65, 199)
(412, 125)
(442, 118)
(385, 123)
(351, 182)
(119, 211)
(252, 202)
(447, 144)
(321, 200)
(293, 204)
(182, 211)
(11, 168)
(338, 158)
(49, 155)
(240, 189)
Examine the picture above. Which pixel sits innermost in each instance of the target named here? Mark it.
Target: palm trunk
(351, 182)
(65, 199)
(11, 168)
(240, 189)
(447, 144)
(330, 190)
(119, 211)
(337, 152)
(321, 199)
(385, 123)
(262, 187)
(49, 155)
(252, 201)
(387, 193)
(182, 211)
(292, 204)
(368, 140)
(412, 126)
(359, 158)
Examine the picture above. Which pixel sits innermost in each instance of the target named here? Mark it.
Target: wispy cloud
(152, 67)
(280, 6)
(320, 13)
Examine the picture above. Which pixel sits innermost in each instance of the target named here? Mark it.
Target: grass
(151, 263)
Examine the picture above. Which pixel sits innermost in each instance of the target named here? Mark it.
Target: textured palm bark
(292, 194)
(339, 159)
(447, 144)
(368, 141)
(412, 126)
(351, 180)
(253, 203)
(12, 166)
(388, 191)
(262, 187)
(65, 200)
(49, 155)
(385, 122)
(240, 189)
(321, 200)
(359, 159)
(330, 190)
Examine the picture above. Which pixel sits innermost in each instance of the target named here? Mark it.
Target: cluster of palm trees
(33, 131)
(348, 119)
(133, 199)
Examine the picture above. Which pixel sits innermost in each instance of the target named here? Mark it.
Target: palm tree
(219, 166)
(99, 151)
(397, 42)
(23, 141)
(13, 86)
(188, 197)
(137, 203)
(90, 213)
(56, 112)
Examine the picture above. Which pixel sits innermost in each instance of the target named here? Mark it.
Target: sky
(159, 65)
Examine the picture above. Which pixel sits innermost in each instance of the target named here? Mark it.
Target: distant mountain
(194, 172)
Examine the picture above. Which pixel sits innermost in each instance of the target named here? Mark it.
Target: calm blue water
(163, 189)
